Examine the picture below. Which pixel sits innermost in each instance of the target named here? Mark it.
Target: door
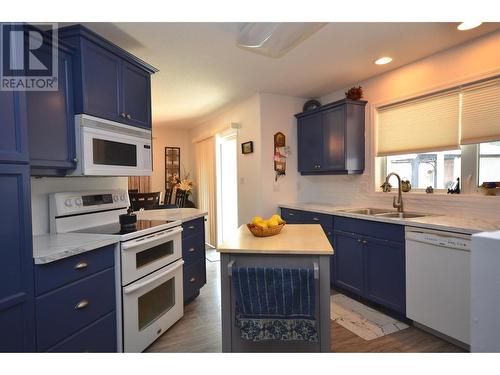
(13, 139)
(348, 261)
(101, 82)
(310, 139)
(227, 186)
(51, 121)
(333, 139)
(136, 96)
(151, 305)
(385, 273)
(16, 265)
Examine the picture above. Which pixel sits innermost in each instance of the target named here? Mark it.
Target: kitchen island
(300, 249)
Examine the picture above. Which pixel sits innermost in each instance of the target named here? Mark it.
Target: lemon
(261, 224)
(256, 219)
(278, 219)
(273, 222)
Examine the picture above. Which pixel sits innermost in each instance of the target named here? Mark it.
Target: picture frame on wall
(247, 147)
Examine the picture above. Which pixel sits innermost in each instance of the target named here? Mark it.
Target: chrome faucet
(399, 203)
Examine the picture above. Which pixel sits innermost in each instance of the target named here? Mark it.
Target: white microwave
(108, 148)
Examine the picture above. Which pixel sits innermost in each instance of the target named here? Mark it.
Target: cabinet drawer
(387, 231)
(292, 216)
(325, 220)
(194, 278)
(99, 337)
(56, 274)
(193, 228)
(63, 312)
(193, 250)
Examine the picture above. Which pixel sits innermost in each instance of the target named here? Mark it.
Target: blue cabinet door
(51, 123)
(16, 263)
(348, 262)
(385, 280)
(101, 79)
(136, 96)
(333, 139)
(310, 143)
(13, 134)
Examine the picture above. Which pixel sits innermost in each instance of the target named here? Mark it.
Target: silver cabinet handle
(192, 280)
(128, 117)
(290, 214)
(75, 160)
(315, 219)
(122, 114)
(364, 242)
(82, 304)
(81, 266)
(191, 227)
(191, 250)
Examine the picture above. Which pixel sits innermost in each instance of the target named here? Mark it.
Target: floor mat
(362, 320)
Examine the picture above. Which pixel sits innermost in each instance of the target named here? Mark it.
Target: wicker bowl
(261, 232)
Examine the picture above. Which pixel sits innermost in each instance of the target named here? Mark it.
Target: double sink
(378, 212)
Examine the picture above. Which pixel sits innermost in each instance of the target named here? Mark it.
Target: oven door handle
(151, 238)
(139, 285)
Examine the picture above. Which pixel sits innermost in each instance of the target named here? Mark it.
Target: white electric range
(148, 262)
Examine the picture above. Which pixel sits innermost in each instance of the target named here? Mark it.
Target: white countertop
(459, 224)
(51, 247)
(304, 239)
(183, 214)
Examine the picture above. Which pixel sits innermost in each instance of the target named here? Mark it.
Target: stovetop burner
(114, 228)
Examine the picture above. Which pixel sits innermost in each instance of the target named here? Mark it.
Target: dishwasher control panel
(445, 239)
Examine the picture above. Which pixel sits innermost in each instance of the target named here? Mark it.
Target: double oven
(152, 294)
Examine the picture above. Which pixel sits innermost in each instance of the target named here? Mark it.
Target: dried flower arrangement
(185, 183)
(354, 93)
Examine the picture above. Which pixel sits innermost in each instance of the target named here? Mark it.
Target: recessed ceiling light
(383, 60)
(468, 25)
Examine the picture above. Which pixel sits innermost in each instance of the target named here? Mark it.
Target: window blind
(421, 125)
(480, 115)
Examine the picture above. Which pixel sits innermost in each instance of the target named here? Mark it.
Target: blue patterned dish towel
(275, 303)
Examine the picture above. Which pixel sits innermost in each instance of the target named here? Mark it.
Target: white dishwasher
(438, 281)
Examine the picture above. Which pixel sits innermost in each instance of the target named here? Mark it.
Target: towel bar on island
(231, 264)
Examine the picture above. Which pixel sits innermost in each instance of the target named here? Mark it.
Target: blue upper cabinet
(136, 98)
(50, 118)
(16, 264)
(13, 134)
(110, 83)
(331, 139)
(100, 94)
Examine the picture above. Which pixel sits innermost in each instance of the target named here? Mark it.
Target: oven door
(151, 305)
(115, 151)
(144, 255)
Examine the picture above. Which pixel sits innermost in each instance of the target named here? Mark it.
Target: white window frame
(469, 173)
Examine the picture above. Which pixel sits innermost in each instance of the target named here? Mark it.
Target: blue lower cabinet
(385, 281)
(371, 267)
(76, 303)
(99, 337)
(193, 254)
(17, 317)
(348, 271)
(292, 216)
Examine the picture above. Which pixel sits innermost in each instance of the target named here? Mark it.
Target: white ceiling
(202, 70)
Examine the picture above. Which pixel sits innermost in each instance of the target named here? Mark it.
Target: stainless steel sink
(367, 211)
(402, 215)
(379, 212)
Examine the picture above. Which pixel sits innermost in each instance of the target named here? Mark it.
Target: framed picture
(247, 147)
(172, 165)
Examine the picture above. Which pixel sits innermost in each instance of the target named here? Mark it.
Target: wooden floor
(199, 331)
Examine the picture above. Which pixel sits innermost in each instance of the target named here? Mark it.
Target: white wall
(247, 114)
(169, 137)
(42, 187)
(470, 61)
(277, 115)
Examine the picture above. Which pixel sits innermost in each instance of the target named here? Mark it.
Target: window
(489, 162)
(437, 169)
(435, 139)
